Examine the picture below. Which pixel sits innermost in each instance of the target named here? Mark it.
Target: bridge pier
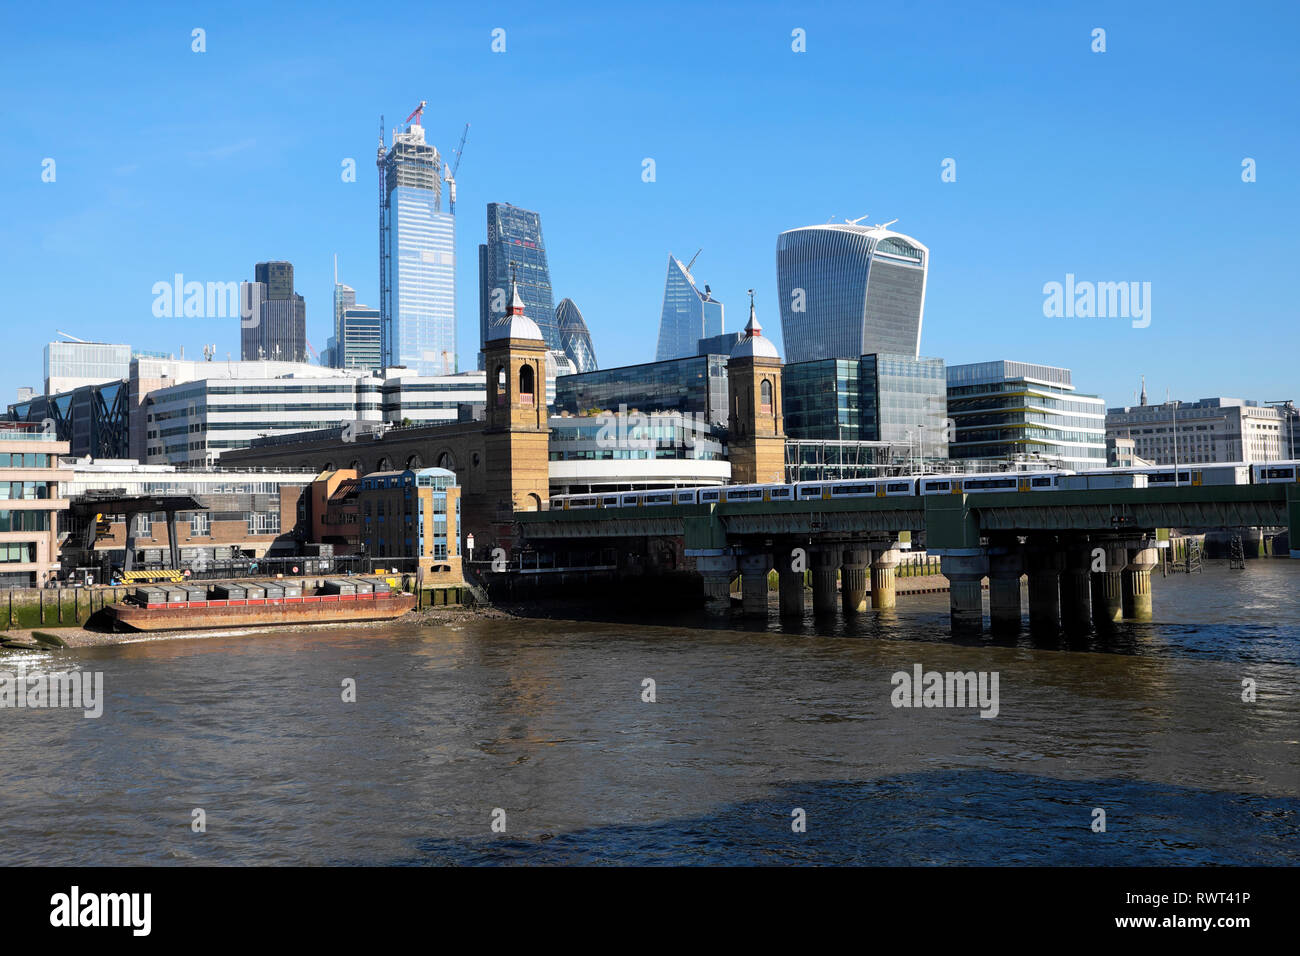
(1045, 588)
(883, 595)
(718, 570)
(853, 579)
(1137, 584)
(1108, 586)
(825, 569)
(790, 564)
(1076, 587)
(1005, 568)
(753, 583)
(965, 574)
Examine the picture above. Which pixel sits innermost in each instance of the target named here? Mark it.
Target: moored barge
(254, 605)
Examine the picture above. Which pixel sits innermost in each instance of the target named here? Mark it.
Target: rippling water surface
(544, 720)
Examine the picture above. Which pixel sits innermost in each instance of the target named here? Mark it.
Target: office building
(430, 399)
(412, 514)
(93, 419)
(1205, 431)
(897, 399)
(575, 338)
(514, 241)
(1024, 413)
(696, 385)
(848, 290)
(345, 297)
(70, 365)
(275, 326)
(417, 261)
(32, 500)
(688, 314)
(719, 344)
(361, 339)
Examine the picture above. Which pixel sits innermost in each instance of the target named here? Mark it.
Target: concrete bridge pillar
(825, 569)
(1137, 584)
(717, 570)
(965, 574)
(753, 583)
(790, 566)
(853, 579)
(1076, 587)
(883, 596)
(1045, 564)
(1005, 569)
(1108, 586)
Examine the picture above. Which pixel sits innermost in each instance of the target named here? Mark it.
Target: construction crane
(450, 174)
(73, 337)
(417, 114)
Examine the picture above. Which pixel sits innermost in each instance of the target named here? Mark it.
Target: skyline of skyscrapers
(514, 237)
(688, 314)
(847, 290)
(417, 256)
(276, 327)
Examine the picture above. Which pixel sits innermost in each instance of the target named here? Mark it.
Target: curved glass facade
(848, 290)
(575, 338)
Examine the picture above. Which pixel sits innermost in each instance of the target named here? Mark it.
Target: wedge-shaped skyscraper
(688, 314)
(848, 290)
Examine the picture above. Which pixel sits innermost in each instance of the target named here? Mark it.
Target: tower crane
(450, 174)
(417, 114)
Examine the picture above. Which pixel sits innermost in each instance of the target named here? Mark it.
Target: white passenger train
(1188, 476)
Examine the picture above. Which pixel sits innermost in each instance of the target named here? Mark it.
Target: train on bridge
(917, 485)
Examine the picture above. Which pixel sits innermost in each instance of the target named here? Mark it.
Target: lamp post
(1173, 410)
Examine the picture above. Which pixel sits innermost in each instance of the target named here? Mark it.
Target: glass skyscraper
(417, 258)
(881, 397)
(574, 336)
(688, 314)
(696, 385)
(848, 290)
(361, 338)
(514, 235)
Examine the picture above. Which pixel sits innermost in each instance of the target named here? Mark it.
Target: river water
(541, 726)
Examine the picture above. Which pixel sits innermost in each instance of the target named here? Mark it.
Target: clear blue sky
(1115, 166)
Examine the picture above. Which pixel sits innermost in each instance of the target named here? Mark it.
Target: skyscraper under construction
(417, 254)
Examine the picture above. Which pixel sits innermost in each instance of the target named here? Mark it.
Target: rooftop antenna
(854, 222)
(693, 258)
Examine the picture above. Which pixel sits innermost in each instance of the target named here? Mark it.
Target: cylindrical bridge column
(883, 596)
(717, 571)
(825, 569)
(965, 574)
(1045, 565)
(1005, 569)
(853, 579)
(791, 564)
(753, 583)
(1137, 585)
(1108, 586)
(1076, 587)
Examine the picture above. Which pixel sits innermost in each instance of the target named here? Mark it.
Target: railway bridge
(1088, 554)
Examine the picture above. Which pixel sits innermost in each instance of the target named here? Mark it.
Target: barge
(257, 605)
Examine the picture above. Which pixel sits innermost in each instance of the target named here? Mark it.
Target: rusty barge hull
(313, 609)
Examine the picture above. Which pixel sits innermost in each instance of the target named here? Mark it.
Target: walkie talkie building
(848, 290)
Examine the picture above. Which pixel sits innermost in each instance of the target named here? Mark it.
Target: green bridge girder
(949, 521)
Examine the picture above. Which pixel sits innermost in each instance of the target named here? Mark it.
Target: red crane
(417, 113)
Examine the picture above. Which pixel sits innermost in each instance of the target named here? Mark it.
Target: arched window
(765, 396)
(501, 384)
(445, 460)
(413, 463)
(526, 385)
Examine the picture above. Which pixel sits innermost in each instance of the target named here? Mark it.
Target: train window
(936, 486)
(781, 492)
(896, 487)
(1043, 482)
(708, 496)
(807, 492)
(610, 501)
(662, 499)
(853, 490)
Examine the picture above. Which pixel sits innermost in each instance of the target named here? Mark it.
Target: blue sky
(1115, 166)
